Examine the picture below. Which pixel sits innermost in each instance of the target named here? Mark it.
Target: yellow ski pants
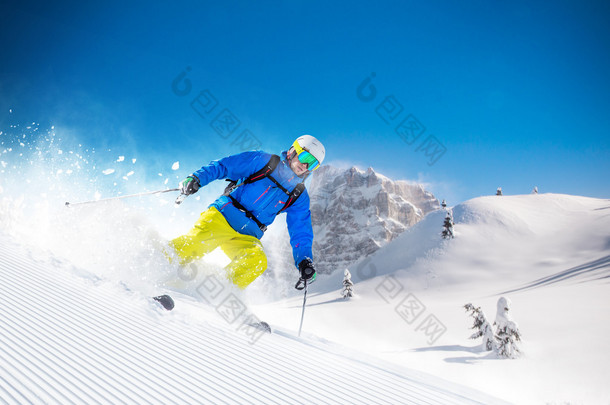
(248, 260)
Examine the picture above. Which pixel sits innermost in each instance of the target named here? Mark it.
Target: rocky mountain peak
(355, 212)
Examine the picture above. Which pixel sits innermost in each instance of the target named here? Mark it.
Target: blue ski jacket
(263, 198)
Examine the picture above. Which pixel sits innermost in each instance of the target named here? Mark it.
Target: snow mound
(549, 253)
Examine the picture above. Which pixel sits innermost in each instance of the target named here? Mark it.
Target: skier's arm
(298, 220)
(232, 167)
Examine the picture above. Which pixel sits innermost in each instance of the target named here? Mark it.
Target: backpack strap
(250, 215)
(292, 197)
(261, 174)
(265, 171)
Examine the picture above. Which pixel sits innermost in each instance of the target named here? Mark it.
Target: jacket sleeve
(298, 220)
(232, 167)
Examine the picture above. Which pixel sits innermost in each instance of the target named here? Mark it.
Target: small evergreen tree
(447, 227)
(348, 286)
(499, 191)
(507, 332)
(482, 327)
(444, 204)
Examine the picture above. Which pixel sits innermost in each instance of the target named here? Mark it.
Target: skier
(263, 186)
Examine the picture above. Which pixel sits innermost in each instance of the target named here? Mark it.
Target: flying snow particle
(130, 173)
(108, 171)
(97, 195)
(176, 166)
(120, 159)
(133, 161)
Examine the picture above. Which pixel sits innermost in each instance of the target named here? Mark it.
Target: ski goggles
(305, 157)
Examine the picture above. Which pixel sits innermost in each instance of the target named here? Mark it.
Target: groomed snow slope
(67, 336)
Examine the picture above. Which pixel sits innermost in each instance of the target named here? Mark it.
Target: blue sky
(484, 94)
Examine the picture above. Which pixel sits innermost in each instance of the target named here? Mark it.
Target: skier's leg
(210, 230)
(248, 259)
(207, 234)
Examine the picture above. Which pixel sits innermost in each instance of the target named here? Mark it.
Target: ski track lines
(64, 339)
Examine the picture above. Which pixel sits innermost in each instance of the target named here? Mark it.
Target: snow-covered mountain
(356, 212)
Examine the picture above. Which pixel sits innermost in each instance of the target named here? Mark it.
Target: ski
(166, 301)
(264, 326)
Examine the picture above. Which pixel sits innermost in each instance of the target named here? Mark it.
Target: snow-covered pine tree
(482, 326)
(444, 204)
(447, 227)
(499, 191)
(507, 332)
(348, 285)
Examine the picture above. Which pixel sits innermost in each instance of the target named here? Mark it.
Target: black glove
(190, 185)
(307, 269)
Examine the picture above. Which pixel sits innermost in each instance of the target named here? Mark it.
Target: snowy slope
(550, 254)
(70, 337)
(60, 339)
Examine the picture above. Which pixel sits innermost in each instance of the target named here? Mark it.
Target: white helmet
(311, 145)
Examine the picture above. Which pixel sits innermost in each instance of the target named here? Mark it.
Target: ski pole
(303, 311)
(69, 204)
(180, 198)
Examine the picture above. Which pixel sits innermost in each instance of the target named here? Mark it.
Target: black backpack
(262, 173)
